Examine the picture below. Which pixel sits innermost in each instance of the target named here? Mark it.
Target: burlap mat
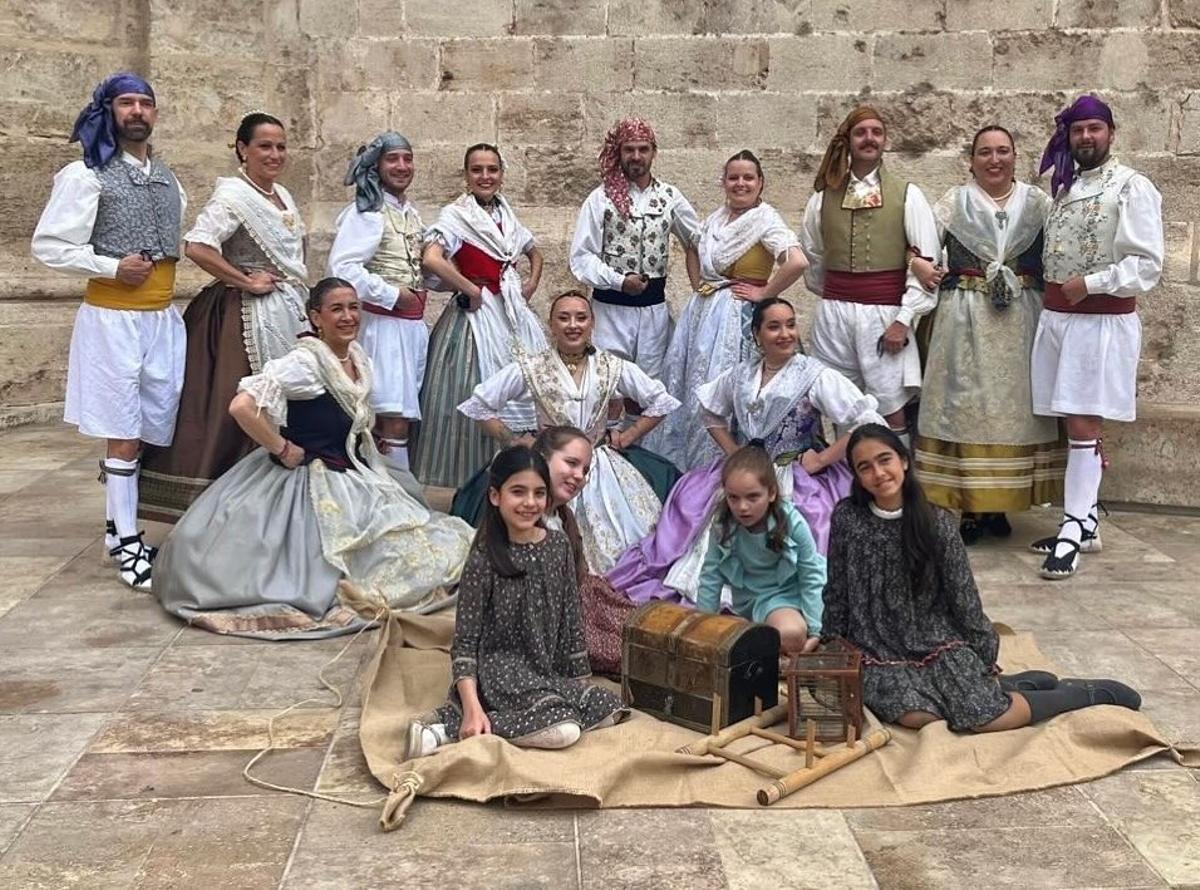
(635, 764)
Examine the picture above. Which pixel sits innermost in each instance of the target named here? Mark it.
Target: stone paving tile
(1159, 812)
(345, 768)
(269, 675)
(468, 847)
(1061, 858)
(24, 575)
(1038, 608)
(1154, 605)
(13, 817)
(117, 617)
(12, 481)
(1091, 653)
(1175, 713)
(168, 774)
(1062, 807)
(1176, 536)
(1179, 648)
(147, 731)
(649, 848)
(797, 849)
(51, 545)
(240, 843)
(63, 681)
(36, 749)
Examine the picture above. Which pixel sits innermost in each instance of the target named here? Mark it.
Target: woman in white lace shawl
(473, 248)
(250, 238)
(747, 254)
(261, 552)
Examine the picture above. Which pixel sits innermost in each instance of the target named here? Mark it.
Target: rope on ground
(360, 601)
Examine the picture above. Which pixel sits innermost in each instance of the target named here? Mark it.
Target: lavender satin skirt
(641, 570)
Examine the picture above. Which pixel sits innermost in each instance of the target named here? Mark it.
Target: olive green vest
(397, 260)
(866, 240)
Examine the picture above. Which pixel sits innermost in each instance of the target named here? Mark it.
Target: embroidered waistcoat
(137, 211)
(641, 244)
(1082, 224)
(869, 239)
(397, 260)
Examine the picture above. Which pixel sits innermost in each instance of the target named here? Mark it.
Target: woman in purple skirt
(778, 400)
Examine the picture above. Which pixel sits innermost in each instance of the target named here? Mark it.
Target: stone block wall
(545, 79)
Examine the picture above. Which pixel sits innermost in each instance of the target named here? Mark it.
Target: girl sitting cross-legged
(519, 660)
(900, 589)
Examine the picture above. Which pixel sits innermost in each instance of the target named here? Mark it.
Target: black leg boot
(1027, 681)
(1071, 695)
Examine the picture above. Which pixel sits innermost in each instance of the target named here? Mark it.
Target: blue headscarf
(1058, 150)
(95, 128)
(364, 170)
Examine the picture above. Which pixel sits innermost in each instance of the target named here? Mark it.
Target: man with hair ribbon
(1103, 248)
(378, 250)
(861, 226)
(622, 245)
(115, 218)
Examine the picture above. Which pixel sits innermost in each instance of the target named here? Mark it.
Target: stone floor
(123, 736)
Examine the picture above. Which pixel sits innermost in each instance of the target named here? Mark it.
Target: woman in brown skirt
(250, 238)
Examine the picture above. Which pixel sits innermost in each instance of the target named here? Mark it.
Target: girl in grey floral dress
(519, 659)
(900, 589)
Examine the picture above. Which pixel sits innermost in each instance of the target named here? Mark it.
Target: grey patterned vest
(137, 212)
(641, 244)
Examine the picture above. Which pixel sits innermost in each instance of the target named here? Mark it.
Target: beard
(134, 131)
(634, 169)
(1089, 156)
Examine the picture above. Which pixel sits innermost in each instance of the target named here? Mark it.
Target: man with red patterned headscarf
(622, 244)
(860, 227)
(1103, 248)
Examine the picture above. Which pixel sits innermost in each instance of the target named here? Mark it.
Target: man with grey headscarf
(378, 250)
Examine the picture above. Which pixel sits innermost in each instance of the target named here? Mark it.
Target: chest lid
(684, 633)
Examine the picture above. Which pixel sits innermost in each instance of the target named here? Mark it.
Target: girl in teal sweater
(763, 549)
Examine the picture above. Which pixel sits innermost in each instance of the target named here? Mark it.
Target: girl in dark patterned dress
(518, 658)
(901, 590)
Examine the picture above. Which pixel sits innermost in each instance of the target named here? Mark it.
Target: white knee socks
(121, 494)
(560, 735)
(1080, 488)
(397, 453)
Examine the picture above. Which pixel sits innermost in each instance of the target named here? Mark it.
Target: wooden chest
(675, 660)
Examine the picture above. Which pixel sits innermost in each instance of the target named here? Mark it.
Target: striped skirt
(449, 447)
(990, 478)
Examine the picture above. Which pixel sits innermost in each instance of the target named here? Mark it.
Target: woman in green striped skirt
(473, 247)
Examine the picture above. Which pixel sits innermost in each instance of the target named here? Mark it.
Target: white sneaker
(423, 739)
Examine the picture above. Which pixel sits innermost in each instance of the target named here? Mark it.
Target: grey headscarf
(364, 170)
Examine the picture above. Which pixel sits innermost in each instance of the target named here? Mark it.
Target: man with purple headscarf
(114, 217)
(1103, 248)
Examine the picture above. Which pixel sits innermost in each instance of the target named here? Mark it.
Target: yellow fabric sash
(153, 293)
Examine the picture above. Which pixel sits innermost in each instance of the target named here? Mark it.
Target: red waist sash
(412, 313)
(1092, 304)
(873, 288)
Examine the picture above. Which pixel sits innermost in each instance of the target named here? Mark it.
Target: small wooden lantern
(824, 689)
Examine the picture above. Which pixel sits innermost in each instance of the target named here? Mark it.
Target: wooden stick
(749, 763)
(851, 736)
(715, 721)
(793, 782)
(757, 706)
(779, 739)
(810, 743)
(738, 730)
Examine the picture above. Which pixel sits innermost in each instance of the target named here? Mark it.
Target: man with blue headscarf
(1103, 248)
(378, 250)
(114, 217)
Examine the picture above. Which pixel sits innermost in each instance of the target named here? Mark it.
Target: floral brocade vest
(1082, 225)
(640, 245)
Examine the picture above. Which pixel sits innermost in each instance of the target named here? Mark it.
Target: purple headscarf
(95, 128)
(1058, 149)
